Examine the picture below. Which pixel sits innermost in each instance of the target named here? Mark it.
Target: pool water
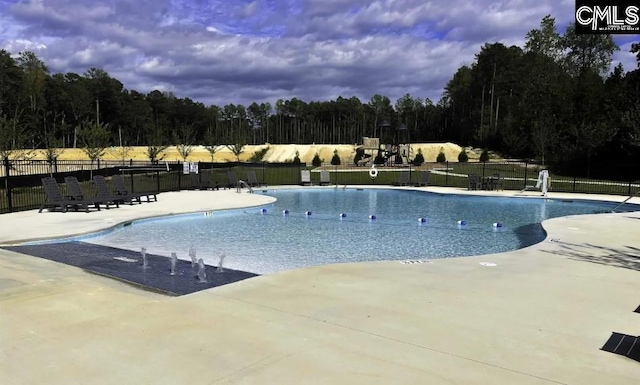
(265, 242)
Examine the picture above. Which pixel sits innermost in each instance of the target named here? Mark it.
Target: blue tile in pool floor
(126, 265)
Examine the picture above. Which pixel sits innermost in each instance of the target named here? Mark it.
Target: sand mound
(430, 151)
(275, 153)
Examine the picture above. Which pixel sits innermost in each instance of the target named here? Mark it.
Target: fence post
(157, 181)
(630, 188)
(264, 181)
(446, 174)
(7, 168)
(526, 163)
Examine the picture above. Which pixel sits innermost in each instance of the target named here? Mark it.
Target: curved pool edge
(98, 233)
(56, 225)
(237, 204)
(556, 231)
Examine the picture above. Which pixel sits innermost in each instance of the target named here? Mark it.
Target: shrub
(335, 160)
(379, 159)
(484, 157)
(316, 161)
(296, 159)
(358, 156)
(258, 155)
(419, 159)
(442, 158)
(462, 156)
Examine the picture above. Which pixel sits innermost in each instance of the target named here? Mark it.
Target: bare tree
(211, 144)
(13, 138)
(95, 138)
(155, 153)
(237, 149)
(184, 139)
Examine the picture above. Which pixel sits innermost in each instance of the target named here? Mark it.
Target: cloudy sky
(240, 51)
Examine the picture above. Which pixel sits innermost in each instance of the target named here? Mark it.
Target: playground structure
(397, 154)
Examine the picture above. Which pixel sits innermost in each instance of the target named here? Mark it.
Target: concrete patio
(539, 316)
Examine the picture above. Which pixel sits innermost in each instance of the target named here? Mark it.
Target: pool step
(624, 345)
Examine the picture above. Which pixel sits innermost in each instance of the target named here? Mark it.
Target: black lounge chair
(424, 180)
(103, 192)
(252, 179)
(207, 183)
(120, 189)
(403, 179)
(75, 192)
(233, 180)
(202, 181)
(55, 199)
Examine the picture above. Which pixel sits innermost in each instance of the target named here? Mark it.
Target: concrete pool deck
(540, 316)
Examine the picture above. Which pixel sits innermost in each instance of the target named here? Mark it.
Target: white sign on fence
(185, 167)
(194, 167)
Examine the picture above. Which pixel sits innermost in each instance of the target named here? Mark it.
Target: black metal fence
(21, 186)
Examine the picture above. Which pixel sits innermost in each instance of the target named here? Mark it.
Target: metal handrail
(624, 201)
(242, 183)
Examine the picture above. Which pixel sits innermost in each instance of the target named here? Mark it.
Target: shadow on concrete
(627, 257)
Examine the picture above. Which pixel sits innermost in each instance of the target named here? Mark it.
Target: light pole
(400, 129)
(98, 110)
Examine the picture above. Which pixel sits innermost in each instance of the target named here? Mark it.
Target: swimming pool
(265, 242)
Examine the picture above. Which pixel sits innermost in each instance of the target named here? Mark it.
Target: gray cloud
(222, 52)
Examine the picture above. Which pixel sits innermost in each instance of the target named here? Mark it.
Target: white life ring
(373, 172)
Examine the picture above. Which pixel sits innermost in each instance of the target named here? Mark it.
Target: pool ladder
(624, 201)
(242, 184)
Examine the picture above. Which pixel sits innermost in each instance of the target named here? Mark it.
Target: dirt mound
(275, 153)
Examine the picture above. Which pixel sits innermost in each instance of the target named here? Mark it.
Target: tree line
(553, 99)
